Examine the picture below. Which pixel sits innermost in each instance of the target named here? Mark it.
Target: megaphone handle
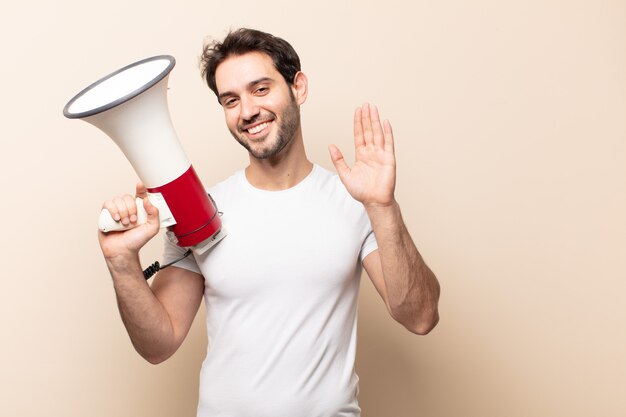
(107, 224)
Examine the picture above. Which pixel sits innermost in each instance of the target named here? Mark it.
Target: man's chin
(256, 150)
(262, 152)
(262, 147)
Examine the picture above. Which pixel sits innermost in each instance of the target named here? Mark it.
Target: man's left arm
(404, 281)
(406, 284)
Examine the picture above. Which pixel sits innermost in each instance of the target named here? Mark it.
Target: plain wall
(510, 129)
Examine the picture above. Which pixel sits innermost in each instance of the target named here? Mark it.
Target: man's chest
(300, 246)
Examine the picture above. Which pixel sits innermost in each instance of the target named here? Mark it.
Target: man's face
(260, 108)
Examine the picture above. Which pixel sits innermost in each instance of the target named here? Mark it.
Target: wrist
(122, 262)
(381, 207)
(384, 216)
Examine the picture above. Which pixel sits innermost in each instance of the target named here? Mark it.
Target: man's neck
(281, 172)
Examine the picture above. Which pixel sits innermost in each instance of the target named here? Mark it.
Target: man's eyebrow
(250, 85)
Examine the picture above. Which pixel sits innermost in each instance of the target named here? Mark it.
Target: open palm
(372, 179)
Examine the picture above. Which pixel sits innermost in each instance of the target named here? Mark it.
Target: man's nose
(249, 108)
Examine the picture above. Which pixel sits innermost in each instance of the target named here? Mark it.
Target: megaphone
(130, 106)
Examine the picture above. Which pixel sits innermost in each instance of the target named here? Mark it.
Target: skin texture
(262, 112)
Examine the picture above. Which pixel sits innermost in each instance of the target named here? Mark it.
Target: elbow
(417, 309)
(420, 324)
(424, 326)
(154, 360)
(154, 357)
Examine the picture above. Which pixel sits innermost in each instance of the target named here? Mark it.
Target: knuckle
(121, 205)
(130, 203)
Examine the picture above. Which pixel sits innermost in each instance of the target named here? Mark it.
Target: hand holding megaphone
(129, 222)
(107, 222)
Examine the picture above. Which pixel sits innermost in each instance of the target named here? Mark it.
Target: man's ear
(300, 87)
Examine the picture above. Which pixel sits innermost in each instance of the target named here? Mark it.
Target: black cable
(156, 267)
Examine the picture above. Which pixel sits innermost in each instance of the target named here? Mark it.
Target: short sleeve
(369, 245)
(171, 252)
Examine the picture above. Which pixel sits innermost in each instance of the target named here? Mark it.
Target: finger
(112, 208)
(140, 190)
(338, 161)
(152, 211)
(377, 129)
(389, 142)
(366, 123)
(358, 129)
(122, 210)
(150, 208)
(131, 206)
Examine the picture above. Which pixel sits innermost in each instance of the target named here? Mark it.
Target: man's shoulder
(326, 178)
(226, 182)
(329, 183)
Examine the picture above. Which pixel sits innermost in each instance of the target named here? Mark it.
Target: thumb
(140, 190)
(151, 210)
(338, 161)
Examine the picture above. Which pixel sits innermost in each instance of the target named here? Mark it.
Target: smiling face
(262, 111)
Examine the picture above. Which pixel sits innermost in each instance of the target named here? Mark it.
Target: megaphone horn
(130, 106)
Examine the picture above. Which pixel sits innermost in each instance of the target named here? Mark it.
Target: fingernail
(133, 218)
(116, 217)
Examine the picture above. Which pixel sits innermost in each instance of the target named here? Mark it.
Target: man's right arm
(157, 317)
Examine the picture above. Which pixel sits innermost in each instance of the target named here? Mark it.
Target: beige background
(511, 145)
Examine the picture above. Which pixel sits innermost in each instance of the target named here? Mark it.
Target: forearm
(412, 290)
(144, 317)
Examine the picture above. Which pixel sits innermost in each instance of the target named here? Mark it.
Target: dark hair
(242, 41)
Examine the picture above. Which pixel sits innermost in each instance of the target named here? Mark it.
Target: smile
(258, 128)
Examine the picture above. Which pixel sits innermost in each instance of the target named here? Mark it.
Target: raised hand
(372, 179)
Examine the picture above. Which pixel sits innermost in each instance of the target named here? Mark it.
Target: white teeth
(258, 128)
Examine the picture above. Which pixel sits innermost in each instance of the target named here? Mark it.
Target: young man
(281, 289)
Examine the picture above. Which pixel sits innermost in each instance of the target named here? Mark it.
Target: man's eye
(262, 90)
(229, 102)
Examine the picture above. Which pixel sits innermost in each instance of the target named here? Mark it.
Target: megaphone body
(130, 106)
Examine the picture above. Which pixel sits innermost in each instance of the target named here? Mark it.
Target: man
(281, 289)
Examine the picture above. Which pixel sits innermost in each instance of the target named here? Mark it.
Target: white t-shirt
(281, 294)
